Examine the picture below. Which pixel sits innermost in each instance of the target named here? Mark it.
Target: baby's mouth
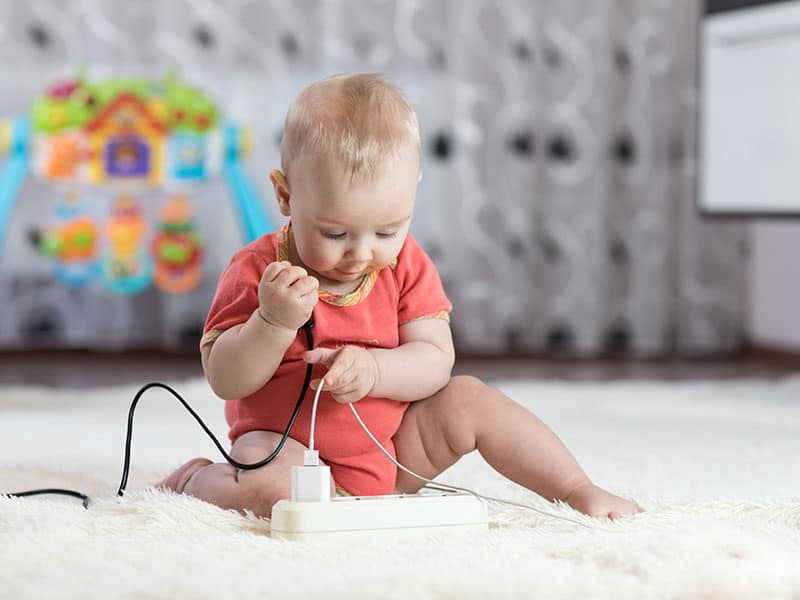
(348, 275)
(352, 271)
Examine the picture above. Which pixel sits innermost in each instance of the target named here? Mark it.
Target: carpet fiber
(715, 464)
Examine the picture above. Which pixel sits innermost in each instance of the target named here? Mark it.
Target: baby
(350, 160)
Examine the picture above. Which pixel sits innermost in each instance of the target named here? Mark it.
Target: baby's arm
(416, 369)
(420, 366)
(246, 356)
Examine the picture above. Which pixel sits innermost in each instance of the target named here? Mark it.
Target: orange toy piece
(73, 240)
(65, 156)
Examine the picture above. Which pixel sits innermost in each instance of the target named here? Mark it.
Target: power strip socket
(394, 515)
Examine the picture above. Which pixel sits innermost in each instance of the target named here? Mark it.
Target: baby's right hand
(286, 295)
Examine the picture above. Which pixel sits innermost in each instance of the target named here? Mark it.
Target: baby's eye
(387, 234)
(334, 236)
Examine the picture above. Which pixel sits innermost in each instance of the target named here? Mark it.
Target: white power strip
(395, 515)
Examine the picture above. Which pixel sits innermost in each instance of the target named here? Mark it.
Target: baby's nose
(361, 252)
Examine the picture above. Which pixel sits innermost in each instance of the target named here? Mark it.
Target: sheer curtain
(559, 149)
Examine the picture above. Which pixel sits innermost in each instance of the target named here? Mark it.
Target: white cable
(314, 415)
(449, 488)
(446, 487)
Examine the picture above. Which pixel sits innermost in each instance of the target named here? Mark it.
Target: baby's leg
(255, 490)
(466, 415)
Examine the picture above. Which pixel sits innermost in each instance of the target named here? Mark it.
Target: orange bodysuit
(369, 317)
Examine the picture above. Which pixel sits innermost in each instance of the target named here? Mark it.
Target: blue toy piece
(14, 172)
(127, 283)
(188, 156)
(252, 217)
(76, 274)
(75, 263)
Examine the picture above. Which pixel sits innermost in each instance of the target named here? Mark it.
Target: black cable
(83, 497)
(308, 326)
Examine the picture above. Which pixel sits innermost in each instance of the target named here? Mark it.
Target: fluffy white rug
(714, 464)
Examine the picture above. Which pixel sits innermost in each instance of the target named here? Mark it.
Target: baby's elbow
(215, 374)
(448, 362)
(223, 387)
(448, 356)
(220, 390)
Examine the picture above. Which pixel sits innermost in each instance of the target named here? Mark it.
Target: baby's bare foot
(596, 502)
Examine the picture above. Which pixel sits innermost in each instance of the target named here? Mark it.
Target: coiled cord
(308, 326)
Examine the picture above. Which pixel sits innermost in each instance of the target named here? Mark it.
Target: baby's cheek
(318, 259)
(387, 259)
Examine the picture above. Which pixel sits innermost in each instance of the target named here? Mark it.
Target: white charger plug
(312, 481)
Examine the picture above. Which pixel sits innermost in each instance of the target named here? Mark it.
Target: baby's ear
(282, 194)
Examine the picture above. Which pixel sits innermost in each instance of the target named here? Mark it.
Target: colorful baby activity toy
(121, 159)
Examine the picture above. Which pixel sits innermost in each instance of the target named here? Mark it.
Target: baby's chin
(334, 275)
(341, 276)
(345, 276)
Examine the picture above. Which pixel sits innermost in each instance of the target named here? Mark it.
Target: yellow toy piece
(125, 229)
(127, 141)
(245, 141)
(5, 136)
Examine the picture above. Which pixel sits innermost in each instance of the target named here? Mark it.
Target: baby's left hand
(352, 372)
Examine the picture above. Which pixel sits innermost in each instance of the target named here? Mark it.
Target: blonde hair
(357, 120)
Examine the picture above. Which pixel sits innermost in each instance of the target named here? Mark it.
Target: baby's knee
(466, 394)
(466, 385)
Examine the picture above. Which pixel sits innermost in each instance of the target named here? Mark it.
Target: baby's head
(350, 159)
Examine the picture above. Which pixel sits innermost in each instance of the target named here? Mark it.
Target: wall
(774, 307)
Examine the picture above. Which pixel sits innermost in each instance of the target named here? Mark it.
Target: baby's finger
(288, 276)
(314, 384)
(336, 374)
(343, 391)
(347, 397)
(344, 383)
(305, 285)
(273, 269)
(333, 378)
(309, 300)
(323, 355)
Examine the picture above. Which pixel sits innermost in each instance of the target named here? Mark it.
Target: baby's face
(343, 231)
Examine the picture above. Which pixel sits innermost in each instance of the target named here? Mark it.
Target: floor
(80, 369)
(715, 465)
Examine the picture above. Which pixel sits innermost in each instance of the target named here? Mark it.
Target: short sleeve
(237, 294)
(421, 294)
